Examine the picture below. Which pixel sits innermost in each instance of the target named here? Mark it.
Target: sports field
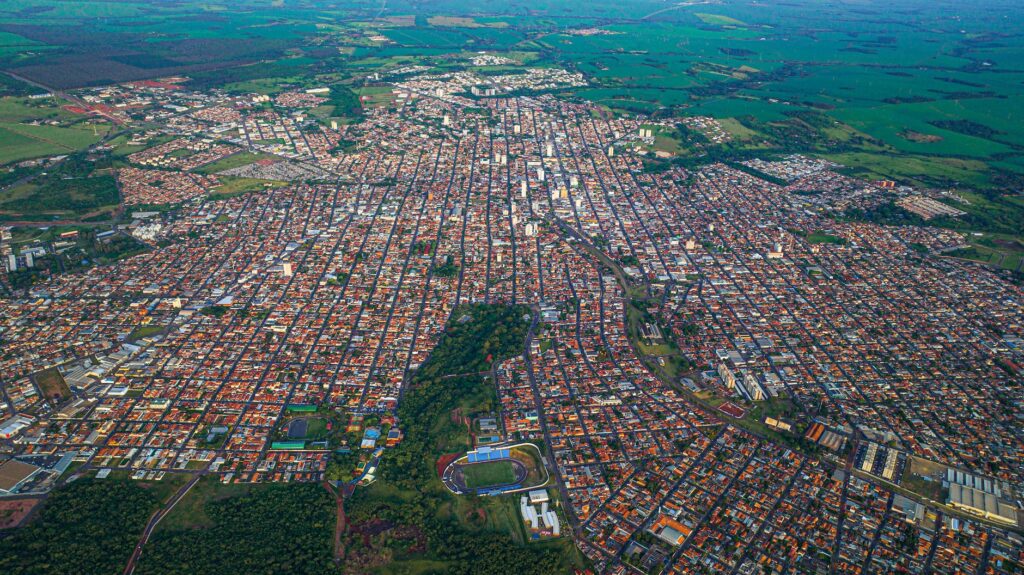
(488, 474)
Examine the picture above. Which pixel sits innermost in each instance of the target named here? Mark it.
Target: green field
(1011, 258)
(16, 147)
(144, 331)
(26, 141)
(16, 109)
(52, 385)
(233, 161)
(232, 186)
(489, 474)
(530, 456)
(820, 237)
(893, 84)
(718, 20)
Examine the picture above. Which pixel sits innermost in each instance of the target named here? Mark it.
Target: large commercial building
(980, 496)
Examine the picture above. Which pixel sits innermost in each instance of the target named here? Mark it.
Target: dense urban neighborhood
(446, 319)
(718, 375)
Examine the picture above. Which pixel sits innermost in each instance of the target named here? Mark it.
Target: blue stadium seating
(487, 454)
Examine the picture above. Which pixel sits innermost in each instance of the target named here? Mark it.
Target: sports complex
(495, 470)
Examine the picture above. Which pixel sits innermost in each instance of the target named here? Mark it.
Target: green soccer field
(488, 474)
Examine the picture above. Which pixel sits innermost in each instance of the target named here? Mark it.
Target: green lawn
(921, 171)
(531, 458)
(498, 515)
(316, 428)
(17, 109)
(719, 20)
(164, 489)
(488, 474)
(414, 567)
(738, 130)
(233, 161)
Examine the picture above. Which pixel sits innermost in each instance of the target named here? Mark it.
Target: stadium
(494, 470)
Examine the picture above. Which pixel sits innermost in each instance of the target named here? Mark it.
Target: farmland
(899, 84)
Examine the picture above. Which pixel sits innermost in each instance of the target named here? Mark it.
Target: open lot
(14, 511)
(52, 385)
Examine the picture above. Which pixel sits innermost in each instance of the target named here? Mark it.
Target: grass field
(820, 237)
(488, 474)
(232, 186)
(24, 141)
(164, 489)
(233, 161)
(144, 331)
(20, 109)
(15, 147)
(462, 22)
(122, 149)
(923, 171)
(924, 478)
(1010, 259)
(371, 97)
(531, 458)
(719, 20)
(52, 385)
(737, 130)
(499, 514)
(315, 428)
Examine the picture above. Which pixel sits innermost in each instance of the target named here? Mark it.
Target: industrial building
(13, 474)
(980, 496)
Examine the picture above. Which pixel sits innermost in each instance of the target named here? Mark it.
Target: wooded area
(87, 527)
